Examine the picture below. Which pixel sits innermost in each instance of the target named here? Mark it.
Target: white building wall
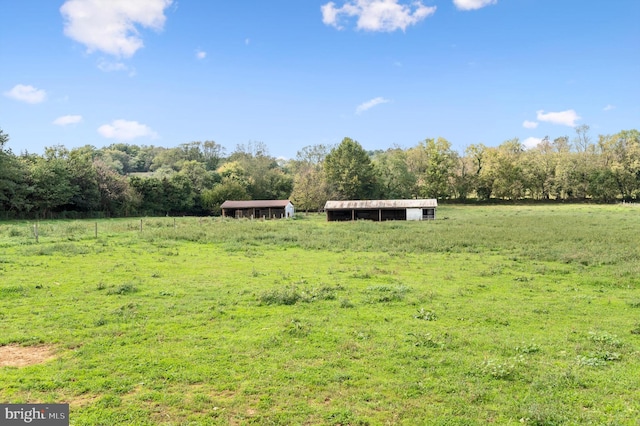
(289, 210)
(414, 214)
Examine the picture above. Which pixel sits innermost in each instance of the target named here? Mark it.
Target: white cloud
(377, 15)
(370, 104)
(247, 41)
(28, 94)
(473, 4)
(609, 107)
(529, 124)
(108, 66)
(65, 120)
(566, 118)
(110, 25)
(531, 142)
(201, 54)
(123, 130)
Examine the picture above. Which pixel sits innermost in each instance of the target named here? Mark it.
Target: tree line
(195, 178)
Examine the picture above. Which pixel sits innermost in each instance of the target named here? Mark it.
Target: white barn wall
(289, 210)
(414, 214)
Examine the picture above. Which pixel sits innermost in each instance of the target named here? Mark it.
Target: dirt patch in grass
(22, 356)
(82, 400)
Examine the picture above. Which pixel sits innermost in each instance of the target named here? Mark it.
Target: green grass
(504, 314)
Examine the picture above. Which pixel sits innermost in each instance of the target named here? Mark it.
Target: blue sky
(293, 73)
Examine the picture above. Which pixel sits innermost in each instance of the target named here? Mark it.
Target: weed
(18, 290)
(528, 348)
(126, 312)
(361, 335)
(544, 415)
(19, 232)
(346, 303)
(425, 340)
(605, 339)
(297, 328)
(362, 275)
(281, 296)
(123, 289)
(498, 370)
(425, 315)
(590, 361)
(609, 356)
(345, 417)
(384, 293)
(320, 293)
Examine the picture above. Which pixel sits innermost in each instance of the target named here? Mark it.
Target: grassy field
(502, 314)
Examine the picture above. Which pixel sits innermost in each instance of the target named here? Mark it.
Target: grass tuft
(123, 289)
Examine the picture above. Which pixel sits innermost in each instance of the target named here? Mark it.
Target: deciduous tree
(349, 171)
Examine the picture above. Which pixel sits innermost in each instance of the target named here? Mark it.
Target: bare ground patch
(22, 356)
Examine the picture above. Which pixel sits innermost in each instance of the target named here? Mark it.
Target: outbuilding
(258, 209)
(379, 210)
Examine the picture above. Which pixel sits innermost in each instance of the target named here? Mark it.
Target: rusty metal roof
(251, 204)
(380, 204)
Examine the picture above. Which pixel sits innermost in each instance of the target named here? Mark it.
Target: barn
(258, 209)
(379, 210)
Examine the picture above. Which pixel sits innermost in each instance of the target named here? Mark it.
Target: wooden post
(96, 230)
(35, 231)
(140, 225)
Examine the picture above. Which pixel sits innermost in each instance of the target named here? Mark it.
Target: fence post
(140, 225)
(96, 230)
(35, 231)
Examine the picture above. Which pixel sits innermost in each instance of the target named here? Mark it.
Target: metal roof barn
(381, 210)
(258, 209)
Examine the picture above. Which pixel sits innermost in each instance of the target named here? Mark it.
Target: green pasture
(492, 314)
